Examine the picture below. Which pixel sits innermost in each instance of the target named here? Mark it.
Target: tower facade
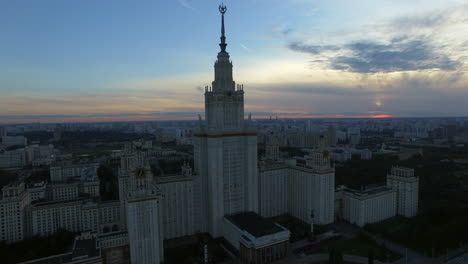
(140, 199)
(406, 185)
(225, 149)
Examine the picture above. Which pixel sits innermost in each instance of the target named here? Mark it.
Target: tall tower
(143, 212)
(406, 185)
(225, 148)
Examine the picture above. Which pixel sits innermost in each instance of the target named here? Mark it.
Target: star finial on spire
(222, 10)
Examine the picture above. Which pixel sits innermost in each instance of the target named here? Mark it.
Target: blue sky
(76, 60)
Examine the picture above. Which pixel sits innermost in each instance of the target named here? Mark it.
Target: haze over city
(256, 132)
(74, 61)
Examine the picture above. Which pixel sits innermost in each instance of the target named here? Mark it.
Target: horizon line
(262, 117)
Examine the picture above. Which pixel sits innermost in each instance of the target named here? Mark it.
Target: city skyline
(87, 61)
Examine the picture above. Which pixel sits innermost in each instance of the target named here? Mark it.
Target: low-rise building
(65, 173)
(361, 207)
(301, 187)
(257, 239)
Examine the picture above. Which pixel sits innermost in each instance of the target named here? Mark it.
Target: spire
(222, 10)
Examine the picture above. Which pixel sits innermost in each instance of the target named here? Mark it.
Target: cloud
(312, 49)
(245, 47)
(400, 55)
(426, 41)
(186, 4)
(283, 29)
(316, 89)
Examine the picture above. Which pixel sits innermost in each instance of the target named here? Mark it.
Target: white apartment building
(46, 218)
(406, 185)
(300, 187)
(63, 191)
(109, 216)
(13, 158)
(64, 173)
(14, 200)
(177, 204)
(361, 207)
(72, 190)
(51, 216)
(37, 191)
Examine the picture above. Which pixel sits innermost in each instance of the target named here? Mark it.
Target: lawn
(360, 245)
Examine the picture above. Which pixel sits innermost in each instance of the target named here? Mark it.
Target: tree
(331, 256)
(338, 257)
(383, 252)
(370, 259)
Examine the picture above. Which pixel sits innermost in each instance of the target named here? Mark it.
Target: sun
(378, 102)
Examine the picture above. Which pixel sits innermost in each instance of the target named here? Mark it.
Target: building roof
(254, 224)
(369, 192)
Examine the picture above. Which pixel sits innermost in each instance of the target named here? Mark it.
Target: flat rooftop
(253, 223)
(369, 191)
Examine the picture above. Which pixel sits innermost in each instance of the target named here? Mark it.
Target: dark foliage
(37, 247)
(6, 177)
(108, 182)
(292, 151)
(39, 175)
(41, 136)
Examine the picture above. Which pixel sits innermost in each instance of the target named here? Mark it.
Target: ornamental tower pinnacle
(222, 45)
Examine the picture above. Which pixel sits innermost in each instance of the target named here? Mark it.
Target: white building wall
(145, 236)
(90, 217)
(407, 189)
(109, 214)
(49, 217)
(300, 194)
(324, 198)
(177, 208)
(297, 191)
(273, 185)
(13, 218)
(63, 191)
(364, 210)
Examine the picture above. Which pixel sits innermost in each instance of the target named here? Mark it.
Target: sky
(116, 60)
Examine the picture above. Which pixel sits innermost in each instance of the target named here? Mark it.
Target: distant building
(14, 141)
(331, 136)
(3, 132)
(65, 173)
(361, 207)
(13, 223)
(12, 158)
(406, 185)
(58, 133)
